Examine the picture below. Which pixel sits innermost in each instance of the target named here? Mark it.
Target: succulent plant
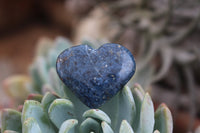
(59, 110)
(129, 111)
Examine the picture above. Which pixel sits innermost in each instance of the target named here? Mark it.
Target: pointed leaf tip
(31, 126)
(156, 131)
(139, 87)
(163, 119)
(106, 128)
(125, 127)
(147, 115)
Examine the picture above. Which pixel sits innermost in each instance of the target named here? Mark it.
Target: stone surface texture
(95, 75)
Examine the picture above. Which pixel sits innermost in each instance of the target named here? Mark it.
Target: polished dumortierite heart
(95, 75)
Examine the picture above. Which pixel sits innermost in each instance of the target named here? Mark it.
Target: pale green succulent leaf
(36, 84)
(68, 126)
(9, 131)
(147, 115)
(31, 126)
(139, 88)
(120, 107)
(163, 119)
(112, 113)
(125, 127)
(34, 109)
(90, 125)
(97, 114)
(79, 107)
(47, 100)
(41, 66)
(11, 120)
(106, 127)
(45, 60)
(61, 110)
(39, 73)
(51, 58)
(138, 95)
(127, 105)
(127, 108)
(56, 83)
(60, 45)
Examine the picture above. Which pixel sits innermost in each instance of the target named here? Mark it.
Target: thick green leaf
(36, 84)
(138, 95)
(39, 73)
(47, 100)
(11, 120)
(60, 45)
(79, 107)
(112, 113)
(68, 126)
(97, 114)
(51, 58)
(163, 119)
(146, 115)
(61, 110)
(34, 109)
(125, 127)
(138, 87)
(41, 67)
(90, 125)
(127, 108)
(106, 128)
(127, 105)
(120, 107)
(56, 83)
(31, 126)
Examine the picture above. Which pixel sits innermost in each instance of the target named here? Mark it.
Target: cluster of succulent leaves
(55, 108)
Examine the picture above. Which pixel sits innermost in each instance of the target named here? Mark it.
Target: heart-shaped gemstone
(95, 75)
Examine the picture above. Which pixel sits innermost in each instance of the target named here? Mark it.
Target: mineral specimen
(95, 75)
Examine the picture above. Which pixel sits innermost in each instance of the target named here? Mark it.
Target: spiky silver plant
(59, 110)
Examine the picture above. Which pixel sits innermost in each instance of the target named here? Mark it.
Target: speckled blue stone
(95, 75)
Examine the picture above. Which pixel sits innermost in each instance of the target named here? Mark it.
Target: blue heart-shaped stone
(95, 75)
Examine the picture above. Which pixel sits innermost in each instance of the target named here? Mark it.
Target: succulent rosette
(55, 108)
